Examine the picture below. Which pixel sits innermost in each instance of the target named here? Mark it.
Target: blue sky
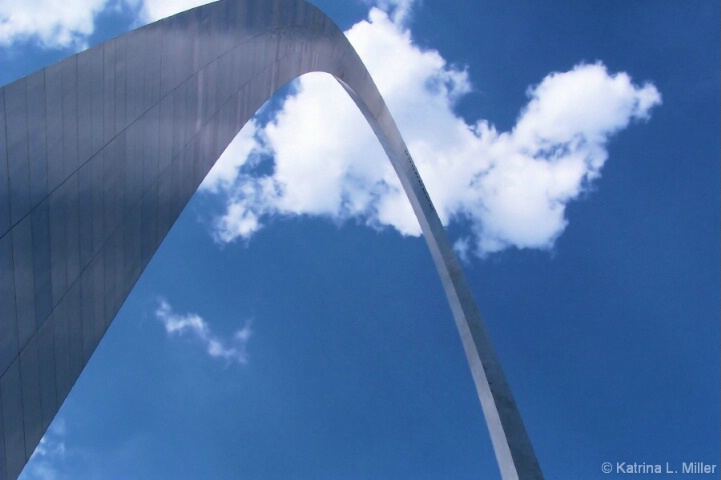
(305, 334)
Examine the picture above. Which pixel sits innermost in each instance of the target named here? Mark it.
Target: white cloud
(153, 10)
(243, 151)
(49, 456)
(192, 324)
(511, 187)
(68, 24)
(52, 23)
(398, 10)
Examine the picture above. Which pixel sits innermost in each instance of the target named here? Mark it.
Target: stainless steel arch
(100, 153)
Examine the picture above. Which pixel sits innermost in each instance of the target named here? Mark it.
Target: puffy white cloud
(511, 187)
(52, 23)
(194, 325)
(555, 150)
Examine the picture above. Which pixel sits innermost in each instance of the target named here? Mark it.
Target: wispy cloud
(232, 351)
(49, 456)
(398, 10)
(511, 187)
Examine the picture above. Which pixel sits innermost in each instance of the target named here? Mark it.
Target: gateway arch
(99, 154)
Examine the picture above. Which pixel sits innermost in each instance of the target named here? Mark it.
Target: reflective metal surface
(100, 153)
